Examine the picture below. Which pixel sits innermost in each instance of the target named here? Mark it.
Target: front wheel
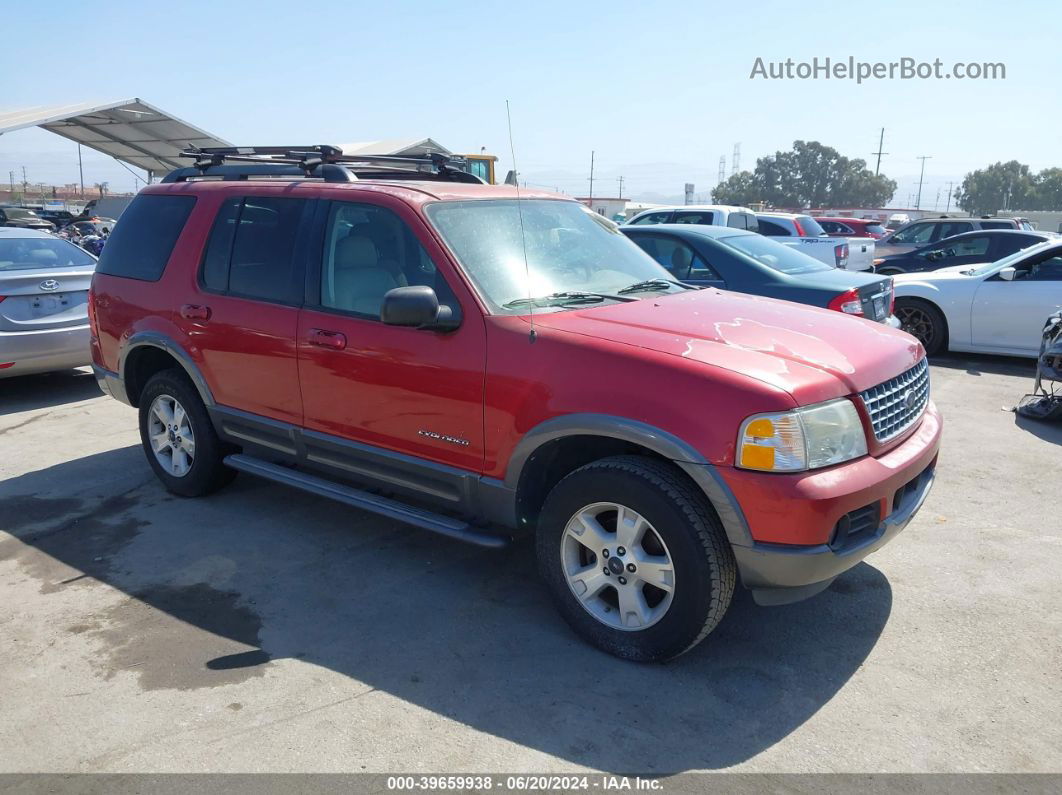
(635, 558)
(924, 322)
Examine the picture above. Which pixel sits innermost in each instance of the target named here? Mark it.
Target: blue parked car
(969, 248)
(746, 262)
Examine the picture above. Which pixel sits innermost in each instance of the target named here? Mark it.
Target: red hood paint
(814, 354)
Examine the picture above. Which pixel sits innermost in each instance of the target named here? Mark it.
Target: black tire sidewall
(936, 318)
(207, 473)
(685, 619)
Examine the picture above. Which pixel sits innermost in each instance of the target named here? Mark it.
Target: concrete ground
(265, 630)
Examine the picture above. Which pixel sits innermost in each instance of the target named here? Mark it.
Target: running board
(418, 517)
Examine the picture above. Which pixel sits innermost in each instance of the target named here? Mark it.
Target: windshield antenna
(520, 213)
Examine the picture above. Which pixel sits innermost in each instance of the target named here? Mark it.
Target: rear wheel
(923, 321)
(178, 437)
(634, 557)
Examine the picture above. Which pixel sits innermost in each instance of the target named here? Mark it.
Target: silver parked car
(44, 284)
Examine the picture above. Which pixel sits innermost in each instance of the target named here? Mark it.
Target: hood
(814, 354)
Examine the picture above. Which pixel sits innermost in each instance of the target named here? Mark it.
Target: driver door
(1010, 315)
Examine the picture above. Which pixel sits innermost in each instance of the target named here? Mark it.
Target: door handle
(328, 339)
(195, 312)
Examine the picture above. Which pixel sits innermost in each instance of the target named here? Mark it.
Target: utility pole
(923, 158)
(81, 171)
(591, 178)
(25, 182)
(948, 208)
(936, 201)
(619, 179)
(879, 153)
(11, 179)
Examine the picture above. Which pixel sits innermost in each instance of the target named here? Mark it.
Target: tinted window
(737, 221)
(700, 217)
(368, 251)
(680, 259)
(976, 246)
(653, 218)
(215, 270)
(140, 246)
(996, 225)
(1014, 243)
(1049, 270)
(950, 228)
(27, 253)
(772, 229)
(916, 234)
(874, 229)
(835, 228)
(262, 263)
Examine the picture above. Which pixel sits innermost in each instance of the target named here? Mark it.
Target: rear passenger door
(243, 316)
(372, 390)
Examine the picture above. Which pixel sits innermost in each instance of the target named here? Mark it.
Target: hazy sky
(658, 90)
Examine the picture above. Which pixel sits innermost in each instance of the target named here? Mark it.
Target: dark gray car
(44, 282)
(746, 262)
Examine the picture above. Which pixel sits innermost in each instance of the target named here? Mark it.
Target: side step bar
(418, 517)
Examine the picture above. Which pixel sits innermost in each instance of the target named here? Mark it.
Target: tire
(924, 322)
(682, 528)
(889, 272)
(203, 471)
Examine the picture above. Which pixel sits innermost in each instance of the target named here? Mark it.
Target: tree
(1047, 190)
(999, 186)
(808, 175)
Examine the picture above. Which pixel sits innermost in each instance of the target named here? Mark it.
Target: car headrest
(355, 251)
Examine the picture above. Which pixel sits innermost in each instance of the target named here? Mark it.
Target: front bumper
(44, 351)
(796, 548)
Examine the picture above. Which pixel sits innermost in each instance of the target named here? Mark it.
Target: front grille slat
(895, 405)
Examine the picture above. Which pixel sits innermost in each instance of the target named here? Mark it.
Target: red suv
(485, 362)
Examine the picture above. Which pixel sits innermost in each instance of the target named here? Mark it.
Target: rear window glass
(996, 225)
(774, 254)
(29, 253)
(141, 244)
(810, 226)
(874, 229)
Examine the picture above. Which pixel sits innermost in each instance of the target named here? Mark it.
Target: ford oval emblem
(49, 285)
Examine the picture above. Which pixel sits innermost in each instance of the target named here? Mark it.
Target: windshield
(15, 212)
(773, 254)
(569, 250)
(27, 253)
(1007, 261)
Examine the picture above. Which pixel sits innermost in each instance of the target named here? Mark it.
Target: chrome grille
(895, 405)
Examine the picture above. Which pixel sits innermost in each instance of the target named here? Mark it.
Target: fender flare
(702, 472)
(155, 339)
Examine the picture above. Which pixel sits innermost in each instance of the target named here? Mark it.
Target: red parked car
(852, 227)
(483, 363)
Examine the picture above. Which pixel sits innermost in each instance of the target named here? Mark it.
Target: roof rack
(320, 161)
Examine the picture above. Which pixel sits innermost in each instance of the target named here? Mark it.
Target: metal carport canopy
(130, 130)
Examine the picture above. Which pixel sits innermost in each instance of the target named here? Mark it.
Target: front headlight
(804, 438)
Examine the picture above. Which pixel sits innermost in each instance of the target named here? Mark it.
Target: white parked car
(999, 307)
(804, 233)
(708, 214)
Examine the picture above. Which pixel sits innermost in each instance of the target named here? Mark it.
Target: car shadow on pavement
(213, 590)
(27, 392)
(1048, 430)
(978, 364)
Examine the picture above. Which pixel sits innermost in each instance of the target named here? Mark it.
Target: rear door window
(140, 246)
(916, 234)
(251, 252)
(771, 229)
(950, 228)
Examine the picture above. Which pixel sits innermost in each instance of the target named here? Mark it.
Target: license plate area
(48, 305)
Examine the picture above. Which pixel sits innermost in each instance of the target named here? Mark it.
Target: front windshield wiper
(653, 284)
(567, 297)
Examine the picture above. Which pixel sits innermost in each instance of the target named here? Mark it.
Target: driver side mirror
(1008, 274)
(417, 307)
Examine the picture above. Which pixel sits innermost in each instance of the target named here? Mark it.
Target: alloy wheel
(918, 323)
(617, 566)
(170, 432)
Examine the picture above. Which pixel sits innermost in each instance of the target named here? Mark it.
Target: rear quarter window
(141, 244)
